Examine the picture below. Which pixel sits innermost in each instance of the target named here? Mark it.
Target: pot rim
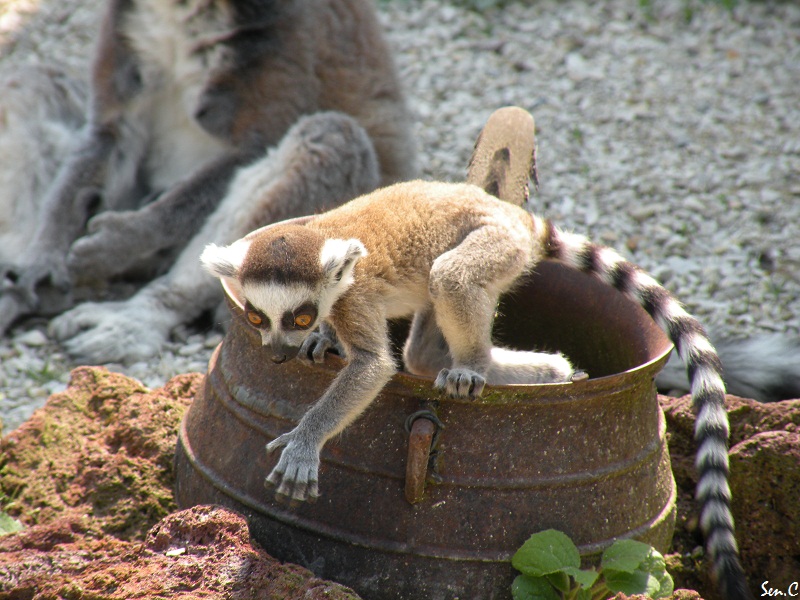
(335, 362)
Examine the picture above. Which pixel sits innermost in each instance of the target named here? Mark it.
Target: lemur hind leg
(425, 351)
(503, 163)
(464, 302)
(465, 285)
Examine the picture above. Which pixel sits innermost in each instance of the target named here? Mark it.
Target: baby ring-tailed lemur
(443, 253)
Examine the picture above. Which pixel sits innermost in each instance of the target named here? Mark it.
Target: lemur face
(284, 315)
(286, 280)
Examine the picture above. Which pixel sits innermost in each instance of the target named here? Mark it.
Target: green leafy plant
(550, 565)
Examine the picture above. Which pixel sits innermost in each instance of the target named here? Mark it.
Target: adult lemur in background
(206, 119)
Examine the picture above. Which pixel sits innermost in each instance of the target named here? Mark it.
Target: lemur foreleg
(296, 474)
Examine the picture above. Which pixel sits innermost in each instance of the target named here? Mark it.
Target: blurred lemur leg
(116, 241)
(324, 160)
(41, 113)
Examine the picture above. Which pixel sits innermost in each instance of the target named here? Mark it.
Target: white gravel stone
(33, 338)
(679, 142)
(191, 349)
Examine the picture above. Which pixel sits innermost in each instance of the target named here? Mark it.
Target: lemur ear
(225, 262)
(338, 257)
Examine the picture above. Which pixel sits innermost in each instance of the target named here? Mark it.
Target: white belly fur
(163, 34)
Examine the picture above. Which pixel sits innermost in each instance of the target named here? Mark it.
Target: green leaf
(546, 552)
(657, 567)
(629, 584)
(584, 595)
(625, 555)
(8, 524)
(560, 581)
(585, 578)
(526, 587)
(639, 582)
(654, 563)
(648, 577)
(667, 585)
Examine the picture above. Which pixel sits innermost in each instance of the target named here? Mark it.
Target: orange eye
(254, 318)
(303, 320)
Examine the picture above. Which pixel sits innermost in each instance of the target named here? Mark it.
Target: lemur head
(286, 279)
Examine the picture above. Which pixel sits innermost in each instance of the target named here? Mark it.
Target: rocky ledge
(89, 478)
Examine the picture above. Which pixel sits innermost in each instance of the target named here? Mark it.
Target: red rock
(103, 449)
(204, 553)
(765, 482)
(676, 595)
(91, 477)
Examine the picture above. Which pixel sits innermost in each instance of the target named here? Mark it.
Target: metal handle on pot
(423, 428)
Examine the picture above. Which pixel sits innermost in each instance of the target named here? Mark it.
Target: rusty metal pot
(588, 458)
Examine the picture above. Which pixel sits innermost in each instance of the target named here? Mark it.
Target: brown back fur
(435, 218)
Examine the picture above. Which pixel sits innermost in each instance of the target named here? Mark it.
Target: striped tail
(707, 388)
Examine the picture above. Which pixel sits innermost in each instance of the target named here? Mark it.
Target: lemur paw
(297, 471)
(318, 343)
(460, 383)
(115, 242)
(97, 333)
(25, 281)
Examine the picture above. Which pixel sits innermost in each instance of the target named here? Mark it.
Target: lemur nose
(279, 359)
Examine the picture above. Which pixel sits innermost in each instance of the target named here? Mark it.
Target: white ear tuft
(224, 261)
(338, 257)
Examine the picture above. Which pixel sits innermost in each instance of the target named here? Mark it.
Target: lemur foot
(26, 281)
(98, 333)
(115, 242)
(460, 383)
(297, 471)
(511, 367)
(10, 310)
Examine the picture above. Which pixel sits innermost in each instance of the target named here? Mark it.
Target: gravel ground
(671, 134)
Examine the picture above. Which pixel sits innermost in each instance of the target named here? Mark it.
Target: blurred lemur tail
(765, 368)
